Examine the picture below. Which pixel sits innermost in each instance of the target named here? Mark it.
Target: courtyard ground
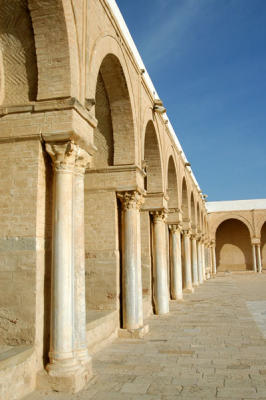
(212, 345)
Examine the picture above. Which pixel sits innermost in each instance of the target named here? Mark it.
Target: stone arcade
(102, 220)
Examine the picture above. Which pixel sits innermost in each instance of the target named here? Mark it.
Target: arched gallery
(103, 221)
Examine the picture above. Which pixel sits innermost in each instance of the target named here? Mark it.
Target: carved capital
(159, 215)
(83, 160)
(63, 155)
(68, 157)
(187, 233)
(175, 228)
(131, 200)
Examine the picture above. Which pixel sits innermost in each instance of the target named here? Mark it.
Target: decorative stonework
(63, 155)
(175, 228)
(159, 216)
(131, 200)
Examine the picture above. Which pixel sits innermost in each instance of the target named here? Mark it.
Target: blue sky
(207, 60)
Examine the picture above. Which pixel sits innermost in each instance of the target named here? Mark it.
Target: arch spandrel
(18, 65)
(56, 48)
(107, 46)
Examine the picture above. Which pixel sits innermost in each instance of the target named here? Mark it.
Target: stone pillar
(82, 161)
(176, 263)
(203, 261)
(195, 277)
(254, 257)
(187, 255)
(259, 258)
(65, 372)
(199, 252)
(209, 257)
(132, 307)
(161, 293)
(214, 258)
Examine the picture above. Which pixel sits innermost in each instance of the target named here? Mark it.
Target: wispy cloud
(168, 29)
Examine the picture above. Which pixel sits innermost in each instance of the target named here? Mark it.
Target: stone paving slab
(210, 346)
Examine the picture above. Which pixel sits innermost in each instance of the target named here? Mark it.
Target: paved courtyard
(212, 345)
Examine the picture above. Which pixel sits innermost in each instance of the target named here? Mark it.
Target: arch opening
(193, 212)
(198, 217)
(184, 206)
(263, 246)
(172, 185)
(115, 131)
(153, 160)
(233, 246)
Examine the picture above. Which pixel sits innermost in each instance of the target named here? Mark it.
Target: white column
(187, 254)
(254, 257)
(62, 356)
(132, 307)
(82, 161)
(195, 278)
(161, 294)
(199, 251)
(203, 261)
(214, 258)
(176, 263)
(259, 258)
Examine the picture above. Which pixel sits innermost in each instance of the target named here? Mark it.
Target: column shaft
(79, 258)
(161, 294)
(203, 261)
(254, 257)
(131, 261)
(194, 262)
(187, 255)
(199, 251)
(259, 258)
(61, 352)
(176, 263)
(214, 259)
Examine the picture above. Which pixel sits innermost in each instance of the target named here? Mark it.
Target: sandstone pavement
(211, 345)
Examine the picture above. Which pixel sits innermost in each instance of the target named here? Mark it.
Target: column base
(134, 333)
(177, 298)
(60, 379)
(195, 284)
(187, 290)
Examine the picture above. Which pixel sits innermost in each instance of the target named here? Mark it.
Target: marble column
(187, 255)
(63, 361)
(203, 261)
(161, 293)
(209, 257)
(176, 263)
(132, 307)
(254, 257)
(80, 342)
(214, 258)
(259, 258)
(195, 277)
(199, 251)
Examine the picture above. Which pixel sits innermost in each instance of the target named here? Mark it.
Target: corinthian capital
(159, 215)
(63, 155)
(131, 200)
(175, 228)
(187, 233)
(83, 160)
